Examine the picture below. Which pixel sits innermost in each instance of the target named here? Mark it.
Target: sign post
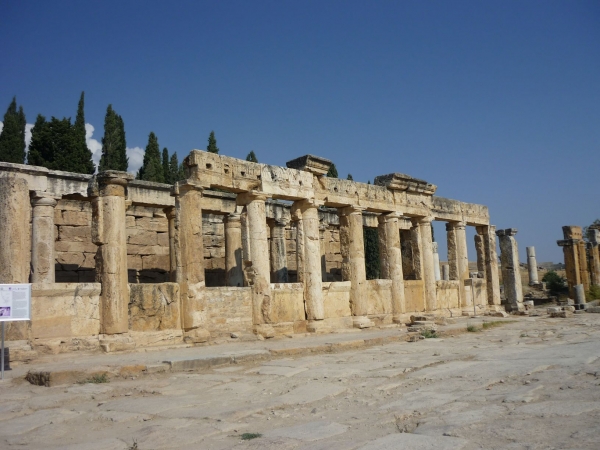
(15, 305)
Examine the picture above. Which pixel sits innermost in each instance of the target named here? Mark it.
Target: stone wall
(73, 246)
(228, 310)
(448, 294)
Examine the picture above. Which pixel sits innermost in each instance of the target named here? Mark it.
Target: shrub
(593, 293)
(554, 282)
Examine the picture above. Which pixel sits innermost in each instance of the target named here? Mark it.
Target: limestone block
(554, 309)
(74, 205)
(287, 304)
(559, 314)
(379, 293)
(130, 221)
(134, 262)
(74, 218)
(158, 250)
(160, 262)
(568, 308)
(154, 307)
(162, 239)
(336, 299)
(69, 258)
(152, 224)
(77, 234)
(413, 291)
(75, 247)
(141, 237)
(140, 211)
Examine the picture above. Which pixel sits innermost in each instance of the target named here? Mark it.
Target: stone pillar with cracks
(353, 263)
(42, 237)
(492, 280)
(532, 266)
(257, 272)
(458, 259)
(594, 242)
(109, 190)
(429, 285)
(313, 278)
(391, 261)
(511, 273)
(171, 213)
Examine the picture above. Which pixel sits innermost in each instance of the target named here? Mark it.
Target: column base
(318, 326)
(196, 336)
(265, 330)
(361, 322)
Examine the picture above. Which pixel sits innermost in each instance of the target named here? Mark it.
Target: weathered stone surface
(154, 307)
(511, 274)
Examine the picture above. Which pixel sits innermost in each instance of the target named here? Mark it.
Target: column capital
(507, 232)
(110, 183)
(299, 206)
(42, 198)
(279, 222)
(232, 218)
(351, 210)
(393, 216)
(565, 242)
(171, 212)
(425, 220)
(455, 226)
(252, 196)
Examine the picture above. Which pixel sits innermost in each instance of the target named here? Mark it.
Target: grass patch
(249, 436)
(495, 323)
(428, 334)
(472, 328)
(96, 379)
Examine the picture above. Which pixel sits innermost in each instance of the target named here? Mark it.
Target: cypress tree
(332, 173)
(152, 169)
(12, 138)
(212, 143)
(350, 177)
(78, 158)
(40, 146)
(114, 153)
(251, 157)
(165, 166)
(181, 172)
(174, 174)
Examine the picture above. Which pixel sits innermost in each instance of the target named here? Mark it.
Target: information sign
(15, 302)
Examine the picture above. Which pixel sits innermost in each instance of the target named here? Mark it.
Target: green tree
(40, 147)
(12, 138)
(332, 172)
(350, 177)
(212, 143)
(371, 244)
(554, 282)
(114, 146)
(78, 158)
(251, 157)
(152, 168)
(166, 167)
(174, 170)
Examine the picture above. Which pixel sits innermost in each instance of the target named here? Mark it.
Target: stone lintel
(402, 182)
(567, 242)
(593, 236)
(390, 216)
(507, 232)
(316, 165)
(351, 209)
(422, 220)
(572, 232)
(186, 185)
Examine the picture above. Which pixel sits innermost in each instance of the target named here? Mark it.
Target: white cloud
(1, 126)
(136, 158)
(93, 144)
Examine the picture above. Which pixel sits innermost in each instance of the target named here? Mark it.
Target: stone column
(436, 261)
(571, 254)
(429, 285)
(416, 250)
(353, 263)
(15, 241)
(458, 259)
(391, 261)
(488, 233)
(258, 271)
(322, 238)
(171, 213)
(234, 272)
(42, 238)
(583, 265)
(109, 190)
(480, 251)
(189, 245)
(511, 273)
(532, 266)
(594, 241)
(313, 285)
(297, 218)
(279, 271)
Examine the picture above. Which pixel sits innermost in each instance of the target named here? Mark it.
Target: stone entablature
(280, 251)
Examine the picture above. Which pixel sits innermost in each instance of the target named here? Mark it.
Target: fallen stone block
(497, 314)
(559, 314)
(568, 308)
(554, 309)
(593, 309)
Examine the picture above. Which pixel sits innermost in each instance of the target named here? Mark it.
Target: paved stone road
(530, 384)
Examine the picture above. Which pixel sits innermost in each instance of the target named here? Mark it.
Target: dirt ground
(529, 384)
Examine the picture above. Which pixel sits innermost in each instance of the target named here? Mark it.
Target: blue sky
(495, 102)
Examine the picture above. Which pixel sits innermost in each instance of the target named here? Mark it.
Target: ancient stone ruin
(582, 260)
(237, 248)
